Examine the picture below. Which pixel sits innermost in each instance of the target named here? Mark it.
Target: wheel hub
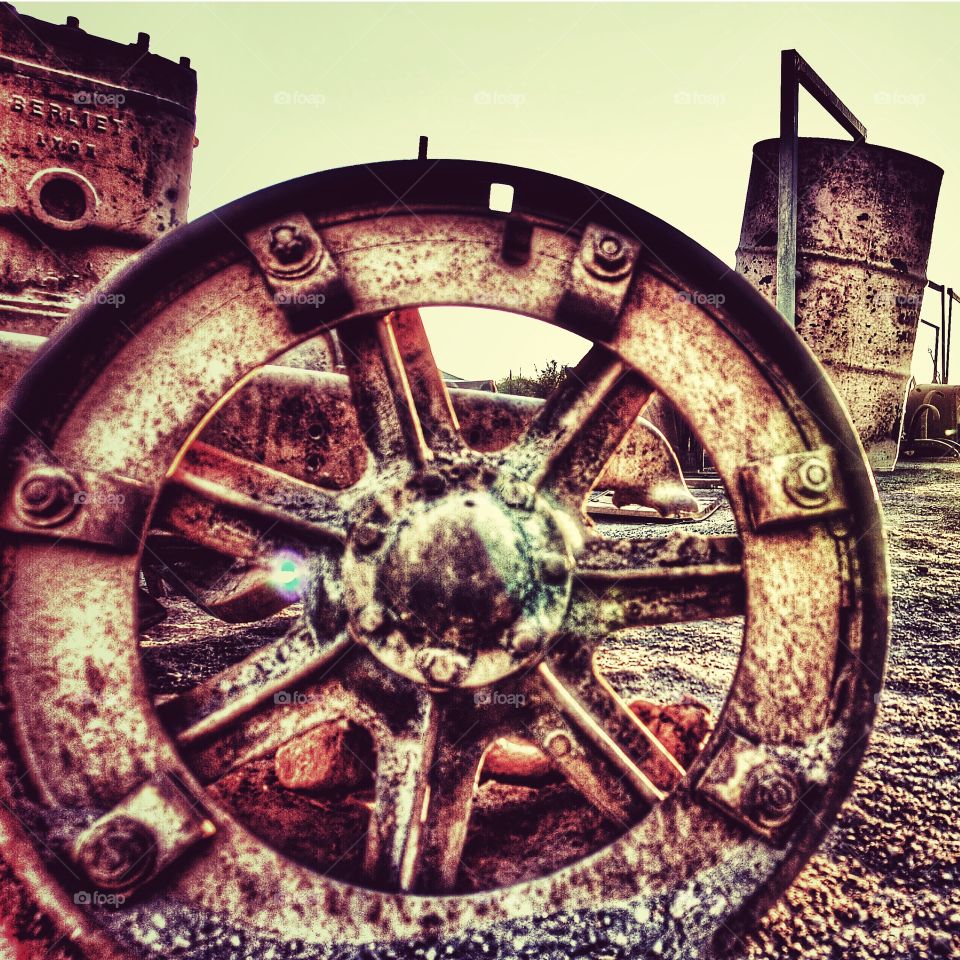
(460, 591)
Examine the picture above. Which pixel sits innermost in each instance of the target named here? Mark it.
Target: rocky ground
(887, 881)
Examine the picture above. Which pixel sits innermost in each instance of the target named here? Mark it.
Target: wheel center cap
(456, 592)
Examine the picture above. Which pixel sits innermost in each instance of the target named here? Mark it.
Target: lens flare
(287, 574)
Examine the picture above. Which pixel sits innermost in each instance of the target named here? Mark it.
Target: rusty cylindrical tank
(864, 223)
(96, 146)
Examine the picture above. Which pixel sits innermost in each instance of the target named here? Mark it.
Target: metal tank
(864, 224)
(96, 146)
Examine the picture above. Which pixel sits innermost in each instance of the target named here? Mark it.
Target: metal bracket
(599, 281)
(102, 509)
(754, 785)
(300, 271)
(792, 488)
(794, 73)
(142, 835)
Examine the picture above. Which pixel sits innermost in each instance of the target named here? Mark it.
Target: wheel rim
(813, 647)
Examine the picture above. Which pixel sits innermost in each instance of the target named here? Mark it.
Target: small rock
(329, 755)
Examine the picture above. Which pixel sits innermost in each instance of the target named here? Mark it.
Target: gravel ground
(887, 881)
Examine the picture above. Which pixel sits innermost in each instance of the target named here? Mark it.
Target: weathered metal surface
(865, 219)
(96, 146)
(127, 392)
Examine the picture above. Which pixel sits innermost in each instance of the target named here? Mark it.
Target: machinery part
(932, 421)
(96, 146)
(126, 395)
(795, 73)
(865, 220)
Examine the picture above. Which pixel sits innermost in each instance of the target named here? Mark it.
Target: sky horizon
(659, 104)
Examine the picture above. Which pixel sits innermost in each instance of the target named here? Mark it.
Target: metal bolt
(47, 496)
(288, 244)
(814, 476)
(433, 482)
(555, 567)
(517, 494)
(609, 251)
(524, 642)
(441, 666)
(368, 536)
(371, 618)
(557, 743)
(118, 853)
(809, 483)
(772, 794)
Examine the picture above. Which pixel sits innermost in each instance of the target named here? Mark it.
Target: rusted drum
(96, 146)
(444, 597)
(864, 222)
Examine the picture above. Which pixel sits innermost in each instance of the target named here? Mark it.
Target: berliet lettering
(67, 116)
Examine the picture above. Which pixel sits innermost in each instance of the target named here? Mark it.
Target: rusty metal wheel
(442, 575)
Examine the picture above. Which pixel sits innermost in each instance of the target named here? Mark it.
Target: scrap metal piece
(791, 488)
(932, 421)
(644, 470)
(96, 144)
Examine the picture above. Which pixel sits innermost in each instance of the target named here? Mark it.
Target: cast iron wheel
(443, 571)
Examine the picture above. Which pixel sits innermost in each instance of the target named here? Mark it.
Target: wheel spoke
(275, 722)
(601, 726)
(275, 669)
(386, 411)
(454, 775)
(580, 426)
(405, 752)
(588, 771)
(582, 692)
(437, 416)
(643, 582)
(236, 485)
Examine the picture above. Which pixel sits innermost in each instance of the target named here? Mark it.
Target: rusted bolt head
(772, 794)
(288, 244)
(609, 251)
(118, 853)
(433, 482)
(441, 666)
(371, 618)
(368, 536)
(517, 494)
(555, 567)
(47, 496)
(814, 476)
(557, 743)
(524, 642)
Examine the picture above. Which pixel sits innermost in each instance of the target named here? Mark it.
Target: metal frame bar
(951, 296)
(944, 341)
(794, 73)
(936, 348)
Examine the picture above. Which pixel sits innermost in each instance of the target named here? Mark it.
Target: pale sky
(657, 103)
